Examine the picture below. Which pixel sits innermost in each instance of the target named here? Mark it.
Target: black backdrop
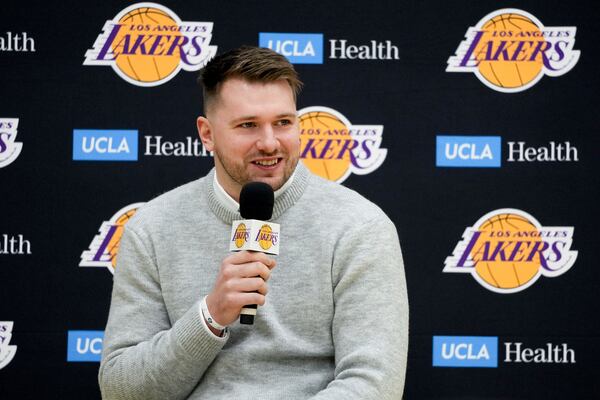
(58, 204)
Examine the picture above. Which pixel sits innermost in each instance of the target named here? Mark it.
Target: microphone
(254, 233)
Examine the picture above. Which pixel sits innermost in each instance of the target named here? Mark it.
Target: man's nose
(267, 141)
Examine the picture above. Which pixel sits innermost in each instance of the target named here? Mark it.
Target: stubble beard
(238, 173)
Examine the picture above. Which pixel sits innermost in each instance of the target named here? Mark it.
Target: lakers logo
(147, 44)
(9, 148)
(266, 238)
(333, 148)
(105, 246)
(510, 50)
(507, 250)
(240, 237)
(7, 351)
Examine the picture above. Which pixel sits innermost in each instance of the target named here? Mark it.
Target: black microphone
(256, 202)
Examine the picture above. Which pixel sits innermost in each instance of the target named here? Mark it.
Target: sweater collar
(283, 201)
(228, 202)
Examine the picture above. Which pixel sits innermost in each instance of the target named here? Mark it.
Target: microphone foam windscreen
(256, 201)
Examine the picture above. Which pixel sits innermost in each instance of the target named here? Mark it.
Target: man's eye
(284, 122)
(246, 125)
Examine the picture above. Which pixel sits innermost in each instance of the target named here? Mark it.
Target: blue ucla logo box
(468, 151)
(298, 48)
(465, 351)
(84, 346)
(105, 145)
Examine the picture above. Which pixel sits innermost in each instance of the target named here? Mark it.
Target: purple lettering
(349, 145)
(140, 43)
(536, 249)
(104, 245)
(155, 45)
(367, 149)
(327, 148)
(474, 43)
(3, 145)
(310, 147)
(467, 252)
(502, 49)
(176, 44)
(108, 43)
(541, 48)
(499, 250)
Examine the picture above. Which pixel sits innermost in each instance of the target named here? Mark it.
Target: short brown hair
(254, 64)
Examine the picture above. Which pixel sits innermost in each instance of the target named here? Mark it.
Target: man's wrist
(213, 325)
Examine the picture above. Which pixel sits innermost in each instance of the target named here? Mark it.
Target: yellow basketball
(327, 135)
(240, 235)
(115, 241)
(506, 274)
(145, 67)
(509, 73)
(265, 237)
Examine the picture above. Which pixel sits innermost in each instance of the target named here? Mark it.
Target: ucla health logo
(510, 50)
(105, 246)
(333, 148)
(17, 42)
(307, 48)
(147, 44)
(84, 346)
(468, 151)
(105, 145)
(507, 250)
(298, 48)
(465, 351)
(7, 351)
(9, 148)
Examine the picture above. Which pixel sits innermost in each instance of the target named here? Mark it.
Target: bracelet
(211, 321)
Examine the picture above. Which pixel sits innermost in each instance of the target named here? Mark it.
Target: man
(332, 322)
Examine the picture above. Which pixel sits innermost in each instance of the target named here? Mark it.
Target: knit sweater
(335, 322)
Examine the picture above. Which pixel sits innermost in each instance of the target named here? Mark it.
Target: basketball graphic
(104, 248)
(509, 73)
(113, 244)
(495, 232)
(507, 250)
(147, 44)
(321, 127)
(333, 148)
(265, 237)
(240, 235)
(143, 67)
(510, 50)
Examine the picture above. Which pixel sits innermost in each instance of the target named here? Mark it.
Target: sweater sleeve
(370, 323)
(145, 355)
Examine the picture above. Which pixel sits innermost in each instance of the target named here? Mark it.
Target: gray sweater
(334, 326)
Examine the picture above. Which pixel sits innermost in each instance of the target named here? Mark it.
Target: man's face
(253, 130)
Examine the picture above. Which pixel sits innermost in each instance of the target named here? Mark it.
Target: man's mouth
(267, 163)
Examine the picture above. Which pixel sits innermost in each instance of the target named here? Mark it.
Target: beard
(238, 171)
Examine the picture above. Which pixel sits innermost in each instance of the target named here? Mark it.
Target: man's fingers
(243, 257)
(247, 270)
(254, 269)
(249, 285)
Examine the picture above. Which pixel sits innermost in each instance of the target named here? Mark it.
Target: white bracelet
(211, 321)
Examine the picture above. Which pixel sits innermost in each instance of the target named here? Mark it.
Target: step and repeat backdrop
(474, 125)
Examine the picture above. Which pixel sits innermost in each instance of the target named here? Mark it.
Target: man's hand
(242, 280)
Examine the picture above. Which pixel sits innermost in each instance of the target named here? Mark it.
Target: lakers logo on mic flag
(255, 235)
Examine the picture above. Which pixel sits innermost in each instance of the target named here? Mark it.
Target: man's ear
(205, 132)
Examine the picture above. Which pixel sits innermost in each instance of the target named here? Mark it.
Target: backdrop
(474, 125)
